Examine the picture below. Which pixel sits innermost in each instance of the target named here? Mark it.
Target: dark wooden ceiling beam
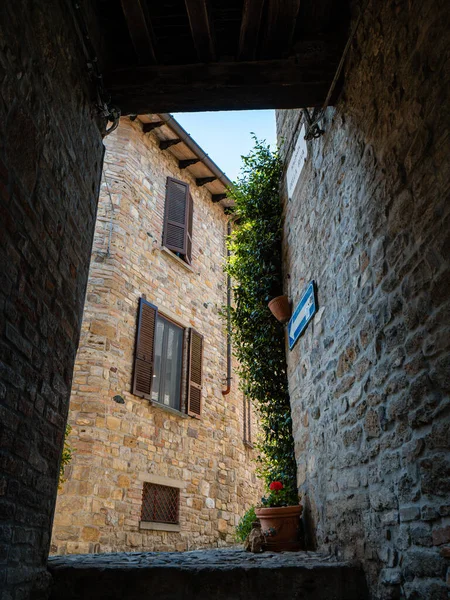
(250, 26)
(290, 83)
(281, 17)
(201, 29)
(139, 27)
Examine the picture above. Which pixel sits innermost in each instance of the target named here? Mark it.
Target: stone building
(373, 469)
(369, 222)
(161, 456)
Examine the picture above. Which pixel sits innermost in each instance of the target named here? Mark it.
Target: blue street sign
(304, 312)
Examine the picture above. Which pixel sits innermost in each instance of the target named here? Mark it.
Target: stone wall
(370, 378)
(117, 445)
(50, 165)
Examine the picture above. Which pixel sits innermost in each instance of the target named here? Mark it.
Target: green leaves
(244, 526)
(66, 456)
(255, 268)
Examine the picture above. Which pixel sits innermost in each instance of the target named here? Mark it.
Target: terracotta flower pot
(280, 308)
(281, 527)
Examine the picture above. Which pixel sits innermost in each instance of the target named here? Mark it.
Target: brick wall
(50, 165)
(369, 380)
(116, 445)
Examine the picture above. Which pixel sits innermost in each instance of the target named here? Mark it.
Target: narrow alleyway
(226, 574)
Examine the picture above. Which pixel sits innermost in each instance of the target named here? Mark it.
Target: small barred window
(160, 503)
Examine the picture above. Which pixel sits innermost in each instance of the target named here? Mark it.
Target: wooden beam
(164, 144)
(147, 127)
(250, 25)
(290, 83)
(201, 29)
(200, 181)
(317, 15)
(183, 164)
(277, 37)
(139, 27)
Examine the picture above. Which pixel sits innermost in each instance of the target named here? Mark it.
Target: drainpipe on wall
(228, 388)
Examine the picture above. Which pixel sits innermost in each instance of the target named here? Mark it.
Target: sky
(226, 136)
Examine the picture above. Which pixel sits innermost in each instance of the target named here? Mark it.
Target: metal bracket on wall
(313, 131)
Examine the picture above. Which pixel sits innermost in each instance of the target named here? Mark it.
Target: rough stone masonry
(370, 378)
(50, 165)
(119, 446)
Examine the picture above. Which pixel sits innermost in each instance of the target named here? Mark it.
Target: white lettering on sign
(296, 163)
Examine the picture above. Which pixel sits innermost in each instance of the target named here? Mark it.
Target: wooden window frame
(186, 254)
(247, 421)
(190, 383)
(163, 361)
(137, 357)
(187, 333)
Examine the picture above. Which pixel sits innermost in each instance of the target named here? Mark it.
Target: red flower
(275, 486)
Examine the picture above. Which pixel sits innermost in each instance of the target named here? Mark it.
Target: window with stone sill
(158, 364)
(160, 504)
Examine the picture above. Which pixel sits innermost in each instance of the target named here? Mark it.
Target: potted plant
(280, 307)
(280, 518)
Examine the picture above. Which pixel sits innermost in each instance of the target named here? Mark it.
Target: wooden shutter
(176, 216)
(194, 404)
(144, 350)
(189, 230)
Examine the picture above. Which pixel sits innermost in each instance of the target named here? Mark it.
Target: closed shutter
(194, 403)
(176, 216)
(189, 230)
(145, 349)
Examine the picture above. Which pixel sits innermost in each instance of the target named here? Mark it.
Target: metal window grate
(160, 503)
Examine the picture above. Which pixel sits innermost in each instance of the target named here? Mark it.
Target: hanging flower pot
(280, 307)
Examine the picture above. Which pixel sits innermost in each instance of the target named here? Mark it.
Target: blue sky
(226, 136)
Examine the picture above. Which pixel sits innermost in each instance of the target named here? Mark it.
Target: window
(166, 386)
(158, 362)
(247, 438)
(160, 503)
(177, 235)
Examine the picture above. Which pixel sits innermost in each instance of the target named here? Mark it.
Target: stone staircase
(225, 574)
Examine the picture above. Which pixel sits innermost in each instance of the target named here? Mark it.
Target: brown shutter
(194, 403)
(144, 350)
(176, 216)
(189, 230)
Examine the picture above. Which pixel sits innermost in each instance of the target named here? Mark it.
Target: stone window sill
(150, 525)
(169, 409)
(177, 259)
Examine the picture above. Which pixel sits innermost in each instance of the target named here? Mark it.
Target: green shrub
(258, 338)
(244, 526)
(65, 458)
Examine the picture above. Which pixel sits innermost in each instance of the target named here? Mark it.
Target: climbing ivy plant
(66, 457)
(255, 268)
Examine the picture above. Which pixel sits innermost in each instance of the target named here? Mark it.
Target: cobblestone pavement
(223, 558)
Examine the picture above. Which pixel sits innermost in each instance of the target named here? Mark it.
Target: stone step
(224, 574)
